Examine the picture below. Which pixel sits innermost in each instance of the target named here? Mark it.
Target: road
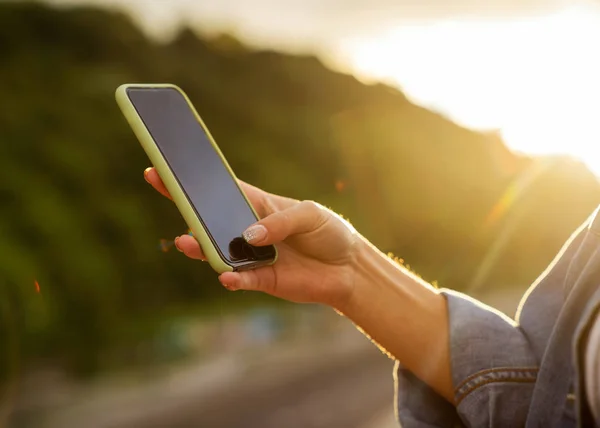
(344, 382)
(345, 394)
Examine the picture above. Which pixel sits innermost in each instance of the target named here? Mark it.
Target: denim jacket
(523, 373)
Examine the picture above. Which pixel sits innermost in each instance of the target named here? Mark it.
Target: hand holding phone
(317, 250)
(195, 173)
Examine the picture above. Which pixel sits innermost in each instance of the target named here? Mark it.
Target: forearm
(404, 315)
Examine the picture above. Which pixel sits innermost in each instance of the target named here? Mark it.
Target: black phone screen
(208, 185)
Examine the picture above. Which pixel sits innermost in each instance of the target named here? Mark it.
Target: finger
(263, 202)
(303, 217)
(190, 247)
(263, 280)
(152, 177)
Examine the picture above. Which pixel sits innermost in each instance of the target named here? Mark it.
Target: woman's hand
(323, 260)
(317, 249)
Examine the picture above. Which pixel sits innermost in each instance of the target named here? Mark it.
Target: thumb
(303, 217)
(262, 279)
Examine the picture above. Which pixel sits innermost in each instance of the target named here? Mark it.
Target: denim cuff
(485, 346)
(492, 368)
(419, 406)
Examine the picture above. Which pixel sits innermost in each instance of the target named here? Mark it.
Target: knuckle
(266, 205)
(311, 207)
(314, 214)
(260, 284)
(284, 219)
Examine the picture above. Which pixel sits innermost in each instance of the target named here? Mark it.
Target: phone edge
(181, 201)
(159, 162)
(229, 169)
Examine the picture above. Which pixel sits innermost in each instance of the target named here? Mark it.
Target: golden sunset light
(535, 79)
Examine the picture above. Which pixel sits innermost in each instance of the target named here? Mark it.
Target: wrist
(405, 316)
(369, 276)
(377, 279)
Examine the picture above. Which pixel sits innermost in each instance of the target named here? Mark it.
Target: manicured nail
(255, 233)
(177, 245)
(146, 171)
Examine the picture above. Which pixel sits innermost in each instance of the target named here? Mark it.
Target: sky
(528, 68)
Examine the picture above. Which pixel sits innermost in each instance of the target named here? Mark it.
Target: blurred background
(460, 136)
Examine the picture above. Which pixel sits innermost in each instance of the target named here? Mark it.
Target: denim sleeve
(418, 406)
(592, 370)
(493, 373)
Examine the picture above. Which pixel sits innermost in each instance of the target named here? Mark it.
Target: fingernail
(230, 287)
(255, 233)
(146, 171)
(177, 244)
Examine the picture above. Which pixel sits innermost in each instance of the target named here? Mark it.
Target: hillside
(77, 216)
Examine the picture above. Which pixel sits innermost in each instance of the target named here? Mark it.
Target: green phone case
(181, 201)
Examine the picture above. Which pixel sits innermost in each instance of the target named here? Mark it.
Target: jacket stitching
(460, 398)
(495, 370)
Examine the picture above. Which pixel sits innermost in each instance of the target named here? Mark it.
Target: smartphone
(196, 174)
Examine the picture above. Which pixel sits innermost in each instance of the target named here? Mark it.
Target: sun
(537, 79)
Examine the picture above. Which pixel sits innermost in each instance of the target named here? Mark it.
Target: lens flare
(165, 245)
(506, 215)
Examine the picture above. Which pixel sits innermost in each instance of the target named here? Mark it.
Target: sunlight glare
(536, 80)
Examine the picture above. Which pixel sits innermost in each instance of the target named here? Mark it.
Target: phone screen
(204, 178)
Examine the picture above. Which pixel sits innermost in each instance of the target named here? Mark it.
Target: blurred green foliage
(77, 216)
